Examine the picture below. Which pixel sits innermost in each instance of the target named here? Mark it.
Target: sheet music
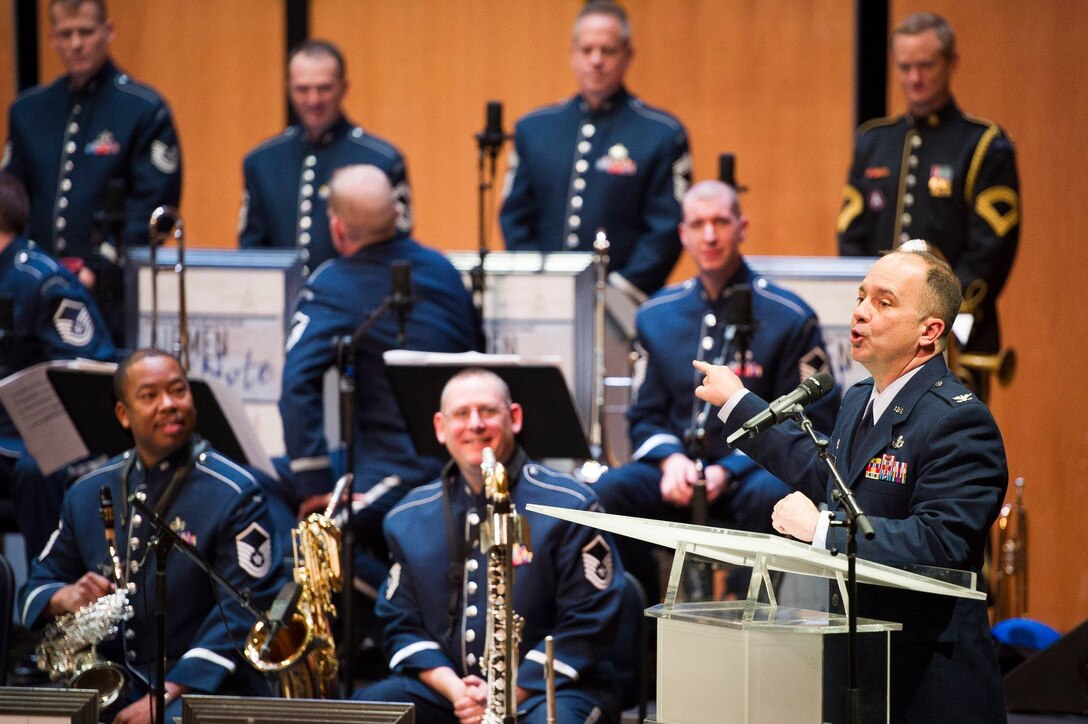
(40, 417)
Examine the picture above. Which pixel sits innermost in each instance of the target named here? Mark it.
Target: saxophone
(302, 652)
(67, 649)
(503, 535)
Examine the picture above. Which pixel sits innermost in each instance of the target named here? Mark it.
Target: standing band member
(938, 174)
(287, 176)
(603, 159)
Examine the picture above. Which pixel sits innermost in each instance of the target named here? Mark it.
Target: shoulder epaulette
(877, 123)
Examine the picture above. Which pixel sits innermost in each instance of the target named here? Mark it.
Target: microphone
(807, 392)
(283, 607)
(492, 137)
(401, 299)
(739, 310)
(727, 173)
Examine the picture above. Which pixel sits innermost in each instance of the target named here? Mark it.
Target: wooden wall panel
(1022, 66)
(8, 80)
(422, 72)
(219, 65)
(769, 80)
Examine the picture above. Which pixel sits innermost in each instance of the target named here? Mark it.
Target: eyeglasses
(484, 412)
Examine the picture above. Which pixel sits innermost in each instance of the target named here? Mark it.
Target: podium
(753, 660)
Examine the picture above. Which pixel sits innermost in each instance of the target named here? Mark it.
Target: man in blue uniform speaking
(287, 176)
(601, 160)
(97, 152)
(435, 601)
(725, 312)
(925, 460)
(937, 174)
(52, 317)
(210, 501)
(336, 300)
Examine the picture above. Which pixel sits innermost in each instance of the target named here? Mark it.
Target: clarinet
(503, 534)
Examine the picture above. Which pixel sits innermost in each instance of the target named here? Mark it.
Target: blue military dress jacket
(336, 299)
(572, 589)
(931, 476)
(287, 178)
(219, 509)
(67, 145)
(785, 348)
(949, 179)
(623, 168)
(54, 317)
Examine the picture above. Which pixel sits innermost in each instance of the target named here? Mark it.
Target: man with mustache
(207, 499)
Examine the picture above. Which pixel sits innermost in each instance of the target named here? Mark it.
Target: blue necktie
(862, 432)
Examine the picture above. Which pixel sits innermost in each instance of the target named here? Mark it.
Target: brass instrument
(166, 223)
(303, 653)
(1002, 364)
(549, 680)
(1009, 574)
(67, 649)
(592, 469)
(501, 533)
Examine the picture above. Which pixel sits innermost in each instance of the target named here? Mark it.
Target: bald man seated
(337, 298)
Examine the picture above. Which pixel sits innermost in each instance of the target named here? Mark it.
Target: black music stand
(64, 411)
(551, 428)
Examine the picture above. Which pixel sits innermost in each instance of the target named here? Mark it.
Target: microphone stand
(346, 347)
(855, 520)
(166, 540)
(489, 144)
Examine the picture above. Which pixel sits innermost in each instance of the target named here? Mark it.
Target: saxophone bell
(298, 645)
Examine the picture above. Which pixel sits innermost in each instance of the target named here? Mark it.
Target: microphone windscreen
(494, 119)
(740, 305)
(7, 314)
(727, 171)
(115, 195)
(819, 385)
(402, 281)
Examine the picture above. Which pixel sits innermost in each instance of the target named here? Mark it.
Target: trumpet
(1001, 364)
(166, 223)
